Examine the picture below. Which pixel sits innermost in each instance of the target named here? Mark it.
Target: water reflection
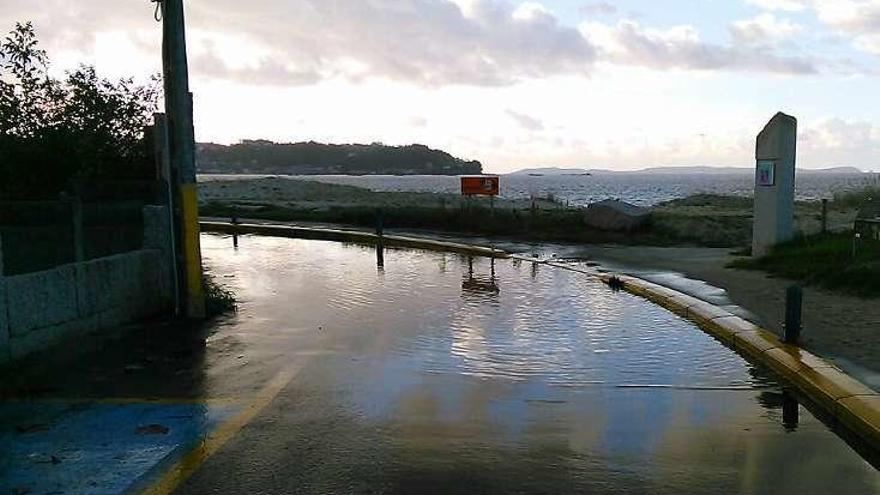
(380, 257)
(479, 286)
(557, 384)
(790, 411)
(783, 401)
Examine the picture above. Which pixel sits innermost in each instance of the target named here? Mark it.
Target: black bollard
(380, 223)
(234, 221)
(790, 412)
(794, 297)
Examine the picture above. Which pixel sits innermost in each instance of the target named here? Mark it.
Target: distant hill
(743, 170)
(311, 158)
(551, 171)
(676, 170)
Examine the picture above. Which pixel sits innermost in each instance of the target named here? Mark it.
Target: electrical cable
(158, 13)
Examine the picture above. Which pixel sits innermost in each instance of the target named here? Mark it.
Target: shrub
(218, 299)
(74, 130)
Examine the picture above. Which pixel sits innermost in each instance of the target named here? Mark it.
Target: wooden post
(178, 107)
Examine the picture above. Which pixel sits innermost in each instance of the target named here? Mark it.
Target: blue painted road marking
(97, 448)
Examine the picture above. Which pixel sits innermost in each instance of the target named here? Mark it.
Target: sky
(616, 84)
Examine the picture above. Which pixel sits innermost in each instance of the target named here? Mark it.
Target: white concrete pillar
(774, 184)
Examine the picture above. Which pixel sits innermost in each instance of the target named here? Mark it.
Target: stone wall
(40, 309)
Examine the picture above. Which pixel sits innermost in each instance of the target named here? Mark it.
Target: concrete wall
(40, 309)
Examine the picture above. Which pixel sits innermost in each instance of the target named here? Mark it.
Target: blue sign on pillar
(766, 173)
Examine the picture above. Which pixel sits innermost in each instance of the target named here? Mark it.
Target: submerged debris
(615, 283)
(154, 429)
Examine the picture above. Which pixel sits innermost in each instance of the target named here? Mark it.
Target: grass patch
(546, 225)
(218, 299)
(856, 199)
(824, 260)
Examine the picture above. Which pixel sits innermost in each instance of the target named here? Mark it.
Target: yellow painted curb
(854, 405)
(354, 236)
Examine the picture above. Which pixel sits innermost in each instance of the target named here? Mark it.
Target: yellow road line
(190, 463)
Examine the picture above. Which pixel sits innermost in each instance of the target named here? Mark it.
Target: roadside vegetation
(834, 261)
(57, 134)
(858, 198)
(700, 220)
(548, 223)
(218, 298)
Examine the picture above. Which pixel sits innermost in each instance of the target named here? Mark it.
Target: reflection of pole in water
(790, 411)
(235, 234)
(534, 270)
(380, 255)
(380, 231)
(470, 266)
(492, 268)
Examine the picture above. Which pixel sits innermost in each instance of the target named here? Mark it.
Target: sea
(640, 188)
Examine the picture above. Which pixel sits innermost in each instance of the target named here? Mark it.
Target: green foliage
(824, 260)
(556, 225)
(218, 299)
(856, 199)
(56, 132)
(317, 158)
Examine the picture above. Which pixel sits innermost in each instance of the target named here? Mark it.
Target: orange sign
(480, 185)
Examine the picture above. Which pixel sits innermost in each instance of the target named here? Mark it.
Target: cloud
(599, 8)
(835, 141)
(426, 42)
(527, 122)
(786, 5)
(855, 19)
(763, 29)
(859, 19)
(263, 71)
(680, 47)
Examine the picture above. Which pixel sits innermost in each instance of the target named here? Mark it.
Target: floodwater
(439, 374)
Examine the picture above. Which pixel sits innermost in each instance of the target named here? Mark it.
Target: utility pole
(179, 111)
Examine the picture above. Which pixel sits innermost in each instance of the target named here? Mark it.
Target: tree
(54, 133)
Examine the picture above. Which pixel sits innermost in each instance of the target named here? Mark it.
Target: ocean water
(637, 188)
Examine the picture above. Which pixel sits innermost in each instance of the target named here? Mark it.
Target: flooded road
(433, 373)
(439, 374)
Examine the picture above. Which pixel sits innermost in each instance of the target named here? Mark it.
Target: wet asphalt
(433, 374)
